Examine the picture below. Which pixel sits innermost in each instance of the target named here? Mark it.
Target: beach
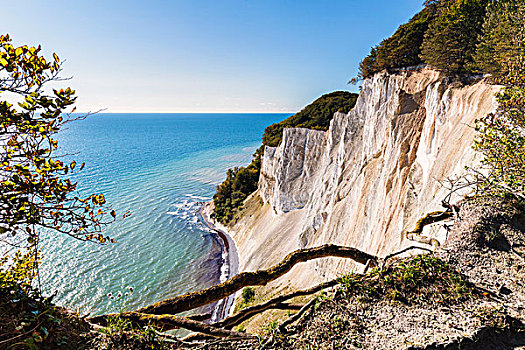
(230, 258)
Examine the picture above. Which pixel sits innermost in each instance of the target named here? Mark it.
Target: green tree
(501, 52)
(35, 191)
(402, 49)
(450, 41)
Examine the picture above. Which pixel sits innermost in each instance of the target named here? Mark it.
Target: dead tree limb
(262, 277)
(430, 218)
(292, 319)
(171, 321)
(251, 311)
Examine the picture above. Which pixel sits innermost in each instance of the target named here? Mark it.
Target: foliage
(501, 136)
(502, 142)
(248, 294)
(35, 191)
(420, 280)
(402, 49)
(451, 39)
(317, 115)
(29, 321)
(241, 182)
(501, 48)
(444, 35)
(18, 268)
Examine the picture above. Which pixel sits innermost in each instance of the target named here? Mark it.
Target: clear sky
(205, 55)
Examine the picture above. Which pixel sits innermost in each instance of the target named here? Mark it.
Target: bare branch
(262, 277)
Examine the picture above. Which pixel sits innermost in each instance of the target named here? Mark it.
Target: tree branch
(251, 311)
(258, 278)
(171, 321)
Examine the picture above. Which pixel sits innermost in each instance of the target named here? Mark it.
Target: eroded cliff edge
(366, 180)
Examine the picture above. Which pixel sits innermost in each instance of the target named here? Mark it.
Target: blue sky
(205, 56)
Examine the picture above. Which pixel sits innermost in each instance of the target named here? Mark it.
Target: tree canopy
(35, 191)
(501, 52)
(450, 41)
(317, 115)
(402, 49)
(443, 35)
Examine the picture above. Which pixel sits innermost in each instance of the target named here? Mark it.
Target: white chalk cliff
(366, 180)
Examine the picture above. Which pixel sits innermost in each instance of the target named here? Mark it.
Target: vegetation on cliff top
(241, 182)
(444, 35)
(317, 115)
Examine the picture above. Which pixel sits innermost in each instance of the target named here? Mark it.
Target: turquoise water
(158, 166)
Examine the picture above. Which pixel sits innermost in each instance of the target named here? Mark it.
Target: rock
(369, 178)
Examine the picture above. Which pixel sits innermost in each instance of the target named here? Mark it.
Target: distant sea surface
(157, 166)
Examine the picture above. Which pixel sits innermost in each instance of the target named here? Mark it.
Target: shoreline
(230, 260)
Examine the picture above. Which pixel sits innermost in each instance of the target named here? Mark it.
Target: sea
(159, 167)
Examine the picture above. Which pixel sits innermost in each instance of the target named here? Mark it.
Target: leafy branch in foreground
(35, 191)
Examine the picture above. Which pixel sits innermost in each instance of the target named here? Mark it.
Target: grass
(423, 279)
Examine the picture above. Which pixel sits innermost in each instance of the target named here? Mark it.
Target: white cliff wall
(366, 180)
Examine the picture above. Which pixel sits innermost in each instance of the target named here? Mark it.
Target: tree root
(171, 321)
(428, 219)
(251, 311)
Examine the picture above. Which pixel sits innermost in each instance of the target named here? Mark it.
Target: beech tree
(35, 191)
(501, 53)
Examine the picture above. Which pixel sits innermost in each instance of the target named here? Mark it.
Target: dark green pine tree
(450, 41)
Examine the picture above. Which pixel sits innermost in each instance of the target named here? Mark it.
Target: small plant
(248, 294)
(270, 327)
(117, 324)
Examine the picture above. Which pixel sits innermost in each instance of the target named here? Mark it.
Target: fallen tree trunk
(251, 311)
(262, 277)
(171, 321)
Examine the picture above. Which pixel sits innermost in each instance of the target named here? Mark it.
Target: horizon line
(192, 112)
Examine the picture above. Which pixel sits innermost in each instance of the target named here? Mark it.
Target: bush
(248, 294)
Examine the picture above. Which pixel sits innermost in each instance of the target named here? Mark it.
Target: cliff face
(366, 180)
